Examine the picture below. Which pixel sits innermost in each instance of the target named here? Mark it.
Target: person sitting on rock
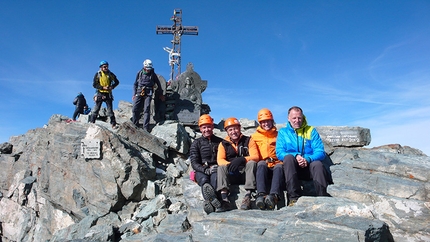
(237, 155)
(203, 156)
(269, 168)
(301, 149)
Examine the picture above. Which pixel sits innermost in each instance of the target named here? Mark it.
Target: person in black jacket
(143, 89)
(203, 156)
(81, 103)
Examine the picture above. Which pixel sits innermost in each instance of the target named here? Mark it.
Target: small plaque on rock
(90, 148)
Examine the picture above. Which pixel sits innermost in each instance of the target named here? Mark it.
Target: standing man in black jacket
(143, 89)
(104, 82)
(203, 156)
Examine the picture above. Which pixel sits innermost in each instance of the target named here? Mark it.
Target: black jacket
(113, 80)
(203, 152)
(80, 101)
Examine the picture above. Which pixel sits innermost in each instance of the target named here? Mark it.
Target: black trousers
(269, 178)
(314, 171)
(202, 178)
(78, 110)
(103, 97)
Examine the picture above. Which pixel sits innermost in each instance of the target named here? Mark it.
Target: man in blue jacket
(301, 149)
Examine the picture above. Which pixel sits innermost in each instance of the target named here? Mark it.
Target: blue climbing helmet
(103, 62)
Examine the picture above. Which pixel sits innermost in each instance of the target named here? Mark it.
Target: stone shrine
(183, 99)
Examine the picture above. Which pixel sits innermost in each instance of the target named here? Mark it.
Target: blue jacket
(304, 141)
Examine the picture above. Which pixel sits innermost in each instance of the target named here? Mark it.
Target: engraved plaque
(90, 148)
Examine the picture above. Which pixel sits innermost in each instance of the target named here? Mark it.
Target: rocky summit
(76, 181)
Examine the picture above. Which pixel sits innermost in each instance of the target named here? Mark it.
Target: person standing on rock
(237, 156)
(104, 82)
(143, 89)
(203, 156)
(269, 168)
(81, 103)
(301, 149)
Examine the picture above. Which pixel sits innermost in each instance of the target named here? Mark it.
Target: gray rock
(175, 136)
(151, 190)
(151, 208)
(173, 171)
(398, 149)
(75, 231)
(6, 148)
(345, 136)
(143, 139)
(174, 224)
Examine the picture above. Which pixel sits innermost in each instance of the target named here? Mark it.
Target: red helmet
(205, 119)
(231, 122)
(264, 114)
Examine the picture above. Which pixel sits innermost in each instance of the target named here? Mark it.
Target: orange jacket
(266, 145)
(222, 156)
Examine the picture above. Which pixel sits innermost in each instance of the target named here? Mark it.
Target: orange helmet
(264, 114)
(230, 122)
(205, 119)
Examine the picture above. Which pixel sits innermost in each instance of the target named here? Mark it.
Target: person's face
(207, 130)
(266, 124)
(104, 68)
(295, 118)
(234, 132)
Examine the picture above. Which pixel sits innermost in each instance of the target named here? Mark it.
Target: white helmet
(147, 64)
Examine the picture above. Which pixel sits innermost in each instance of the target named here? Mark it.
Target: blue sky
(346, 63)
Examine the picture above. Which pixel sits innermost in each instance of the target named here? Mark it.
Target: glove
(236, 163)
(213, 169)
(208, 171)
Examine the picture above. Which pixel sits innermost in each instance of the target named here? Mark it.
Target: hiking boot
(259, 201)
(271, 201)
(207, 207)
(246, 202)
(225, 206)
(292, 202)
(209, 194)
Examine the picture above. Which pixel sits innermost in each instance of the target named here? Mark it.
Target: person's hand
(208, 171)
(302, 161)
(214, 169)
(211, 170)
(236, 163)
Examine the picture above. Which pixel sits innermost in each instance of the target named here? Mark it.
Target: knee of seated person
(289, 158)
(222, 168)
(316, 163)
(262, 163)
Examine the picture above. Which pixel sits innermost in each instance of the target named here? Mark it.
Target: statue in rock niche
(184, 97)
